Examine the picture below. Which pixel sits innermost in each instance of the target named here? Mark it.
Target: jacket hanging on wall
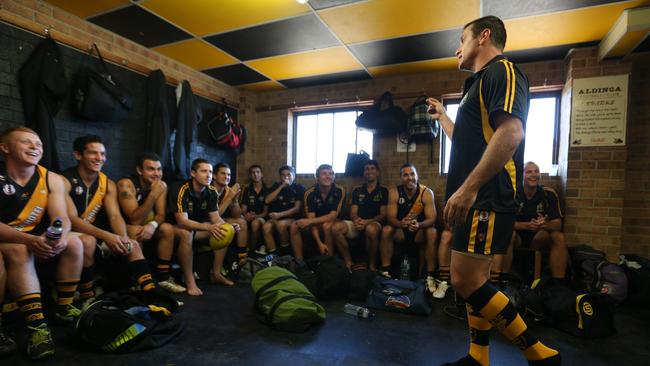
(187, 117)
(158, 123)
(43, 88)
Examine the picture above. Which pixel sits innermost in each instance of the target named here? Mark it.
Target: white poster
(599, 111)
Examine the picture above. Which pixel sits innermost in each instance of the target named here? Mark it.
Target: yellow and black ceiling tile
(140, 26)
(339, 77)
(643, 46)
(236, 74)
(544, 53)
(408, 49)
(291, 35)
(508, 9)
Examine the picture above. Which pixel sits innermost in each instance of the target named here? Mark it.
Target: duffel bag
(283, 302)
(400, 296)
(333, 276)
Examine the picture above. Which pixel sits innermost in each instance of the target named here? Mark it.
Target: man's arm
(135, 213)
(437, 111)
(272, 195)
(391, 209)
(185, 222)
(499, 151)
(113, 210)
(429, 210)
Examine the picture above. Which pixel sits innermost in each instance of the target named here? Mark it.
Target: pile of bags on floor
(287, 293)
(587, 307)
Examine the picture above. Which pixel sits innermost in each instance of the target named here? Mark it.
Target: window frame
(317, 111)
(546, 93)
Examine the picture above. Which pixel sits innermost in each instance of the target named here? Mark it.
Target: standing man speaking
(485, 166)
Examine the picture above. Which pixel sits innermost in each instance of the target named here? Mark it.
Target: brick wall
(636, 207)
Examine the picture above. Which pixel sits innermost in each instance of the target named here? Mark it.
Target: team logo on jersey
(483, 216)
(204, 205)
(74, 181)
(2, 178)
(8, 189)
(540, 208)
(24, 196)
(78, 190)
(261, 198)
(138, 197)
(401, 201)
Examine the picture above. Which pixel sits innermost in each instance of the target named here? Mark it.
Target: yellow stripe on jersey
(32, 214)
(488, 132)
(304, 202)
(179, 199)
(97, 202)
(512, 172)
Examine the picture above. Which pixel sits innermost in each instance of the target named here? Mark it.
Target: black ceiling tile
(506, 9)
(643, 46)
(292, 35)
(339, 77)
(324, 4)
(236, 74)
(545, 53)
(408, 49)
(140, 26)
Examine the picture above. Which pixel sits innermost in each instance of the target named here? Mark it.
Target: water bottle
(55, 231)
(405, 269)
(358, 311)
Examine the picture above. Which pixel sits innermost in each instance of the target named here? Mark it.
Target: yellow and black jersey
(222, 196)
(544, 202)
(369, 202)
(500, 87)
(286, 199)
(89, 201)
(314, 201)
(253, 200)
(23, 208)
(197, 205)
(410, 206)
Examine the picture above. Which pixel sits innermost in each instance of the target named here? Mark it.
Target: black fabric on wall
(186, 120)
(158, 120)
(43, 87)
(124, 140)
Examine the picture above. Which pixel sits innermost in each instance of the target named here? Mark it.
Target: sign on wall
(599, 111)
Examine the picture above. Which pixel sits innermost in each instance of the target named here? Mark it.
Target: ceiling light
(302, 1)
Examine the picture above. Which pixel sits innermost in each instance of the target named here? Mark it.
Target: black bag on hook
(384, 118)
(97, 96)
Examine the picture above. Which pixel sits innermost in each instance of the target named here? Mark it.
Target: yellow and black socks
(163, 269)
(479, 331)
(495, 277)
(32, 308)
(140, 271)
(86, 286)
(65, 294)
(443, 274)
(499, 311)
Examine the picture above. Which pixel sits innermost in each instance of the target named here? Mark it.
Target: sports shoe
(7, 345)
(441, 289)
(170, 285)
(261, 250)
(385, 274)
(39, 342)
(85, 303)
(69, 314)
(432, 284)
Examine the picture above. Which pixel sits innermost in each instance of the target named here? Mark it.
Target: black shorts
(485, 232)
(526, 237)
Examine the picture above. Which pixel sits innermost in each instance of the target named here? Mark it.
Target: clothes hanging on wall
(158, 120)
(188, 116)
(43, 87)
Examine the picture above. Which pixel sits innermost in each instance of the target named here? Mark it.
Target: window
(542, 131)
(326, 137)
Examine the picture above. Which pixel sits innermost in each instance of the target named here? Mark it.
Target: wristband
(153, 223)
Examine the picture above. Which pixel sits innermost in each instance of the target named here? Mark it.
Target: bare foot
(220, 280)
(193, 290)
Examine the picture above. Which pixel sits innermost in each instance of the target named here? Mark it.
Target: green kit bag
(283, 302)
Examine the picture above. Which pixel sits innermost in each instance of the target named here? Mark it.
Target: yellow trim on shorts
(472, 234)
(490, 233)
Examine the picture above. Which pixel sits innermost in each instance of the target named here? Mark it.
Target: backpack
(333, 276)
(283, 302)
(361, 281)
(128, 322)
(399, 296)
(593, 273)
(226, 131)
(383, 118)
(637, 270)
(421, 127)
